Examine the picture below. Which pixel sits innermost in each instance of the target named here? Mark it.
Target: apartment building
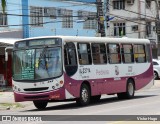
(56, 17)
(132, 18)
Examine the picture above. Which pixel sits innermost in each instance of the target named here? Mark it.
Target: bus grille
(36, 89)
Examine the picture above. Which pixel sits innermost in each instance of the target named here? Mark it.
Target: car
(156, 68)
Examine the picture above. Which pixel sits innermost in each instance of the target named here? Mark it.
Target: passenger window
(99, 53)
(84, 54)
(127, 53)
(139, 53)
(114, 55)
(70, 58)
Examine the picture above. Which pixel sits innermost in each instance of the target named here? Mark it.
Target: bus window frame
(90, 62)
(131, 53)
(118, 53)
(99, 53)
(144, 48)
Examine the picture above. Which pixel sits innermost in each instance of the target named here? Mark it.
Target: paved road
(146, 102)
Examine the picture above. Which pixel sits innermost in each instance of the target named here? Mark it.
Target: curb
(5, 108)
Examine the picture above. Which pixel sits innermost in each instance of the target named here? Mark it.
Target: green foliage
(3, 4)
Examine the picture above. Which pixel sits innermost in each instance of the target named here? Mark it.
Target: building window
(67, 20)
(50, 12)
(119, 29)
(90, 19)
(36, 16)
(148, 28)
(148, 4)
(3, 19)
(118, 4)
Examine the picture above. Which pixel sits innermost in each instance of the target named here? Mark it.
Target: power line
(128, 19)
(38, 23)
(136, 12)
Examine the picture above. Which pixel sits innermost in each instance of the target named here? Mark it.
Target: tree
(3, 4)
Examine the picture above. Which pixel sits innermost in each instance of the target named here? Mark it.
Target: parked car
(156, 68)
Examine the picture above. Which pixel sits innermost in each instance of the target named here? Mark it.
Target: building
(132, 18)
(55, 17)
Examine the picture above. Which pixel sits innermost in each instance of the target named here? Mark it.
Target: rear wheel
(130, 90)
(84, 96)
(40, 104)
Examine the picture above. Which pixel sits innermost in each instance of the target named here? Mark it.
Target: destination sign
(41, 42)
(21, 44)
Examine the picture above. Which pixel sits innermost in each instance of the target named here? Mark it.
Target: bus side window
(114, 55)
(70, 58)
(139, 53)
(84, 53)
(99, 53)
(127, 53)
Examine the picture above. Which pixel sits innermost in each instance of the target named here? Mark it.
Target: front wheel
(84, 95)
(40, 104)
(130, 90)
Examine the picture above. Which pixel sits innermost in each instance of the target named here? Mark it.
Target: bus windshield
(39, 63)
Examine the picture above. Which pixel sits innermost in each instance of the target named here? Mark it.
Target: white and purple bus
(79, 68)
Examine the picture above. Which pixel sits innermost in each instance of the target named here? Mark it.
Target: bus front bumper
(49, 95)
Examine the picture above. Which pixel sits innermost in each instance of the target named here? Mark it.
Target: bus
(59, 68)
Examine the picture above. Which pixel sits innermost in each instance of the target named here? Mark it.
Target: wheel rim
(130, 89)
(84, 95)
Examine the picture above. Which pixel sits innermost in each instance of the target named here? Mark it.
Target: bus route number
(84, 70)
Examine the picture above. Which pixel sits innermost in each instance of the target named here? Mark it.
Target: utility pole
(157, 23)
(101, 27)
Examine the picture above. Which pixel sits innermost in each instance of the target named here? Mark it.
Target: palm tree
(3, 4)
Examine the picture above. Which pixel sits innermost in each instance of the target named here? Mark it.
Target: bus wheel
(95, 98)
(84, 96)
(130, 89)
(40, 104)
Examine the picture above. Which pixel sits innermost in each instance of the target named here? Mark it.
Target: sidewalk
(7, 100)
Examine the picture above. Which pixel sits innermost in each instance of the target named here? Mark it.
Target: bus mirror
(6, 53)
(6, 56)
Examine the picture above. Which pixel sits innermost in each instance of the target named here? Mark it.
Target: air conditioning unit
(60, 12)
(130, 2)
(52, 13)
(134, 27)
(46, 12)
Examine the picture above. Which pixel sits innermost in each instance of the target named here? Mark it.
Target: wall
(14, 17)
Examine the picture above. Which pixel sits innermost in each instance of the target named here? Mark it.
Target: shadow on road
(102, 101)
